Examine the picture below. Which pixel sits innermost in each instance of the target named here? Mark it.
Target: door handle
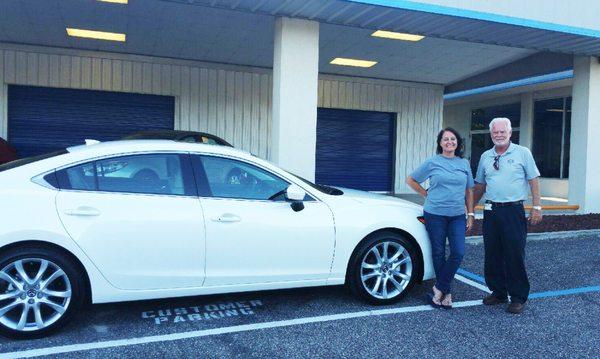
(226, 217)
(83, 211)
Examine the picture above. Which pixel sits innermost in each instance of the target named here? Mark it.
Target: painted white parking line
(472, 283)
(224, 330)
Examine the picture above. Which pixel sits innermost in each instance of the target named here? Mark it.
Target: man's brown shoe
(515, 308)
(493, 300)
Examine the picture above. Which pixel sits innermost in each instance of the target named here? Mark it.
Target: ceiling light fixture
(124, 2)
(99, 35)
(397, 35)
(352, 62)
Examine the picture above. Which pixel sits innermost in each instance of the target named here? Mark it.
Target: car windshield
(320, 187)
(28, 160)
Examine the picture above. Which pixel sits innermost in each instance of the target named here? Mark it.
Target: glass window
(551, 132)
(81, 178)
(230, 178)
(149, 174)
(189, 139)
(481, 140)
(51, 179)
(481, 117)
(208, 140)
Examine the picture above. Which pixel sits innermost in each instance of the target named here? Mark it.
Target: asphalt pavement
(560, 320)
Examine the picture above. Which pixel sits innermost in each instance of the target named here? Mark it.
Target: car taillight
(421, 219)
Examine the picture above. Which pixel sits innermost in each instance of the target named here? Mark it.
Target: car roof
(124, 146)
(95, 150)
(175, 135)
(166, 134)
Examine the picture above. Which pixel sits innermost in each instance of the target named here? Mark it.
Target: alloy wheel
(386, 270)
(34, 294)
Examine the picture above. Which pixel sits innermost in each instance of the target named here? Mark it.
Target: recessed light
(397, 35)
(115, 1)
(99, 35)
(352, 62)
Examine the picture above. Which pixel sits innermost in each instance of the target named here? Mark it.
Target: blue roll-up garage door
(355, 149)
(42, 119)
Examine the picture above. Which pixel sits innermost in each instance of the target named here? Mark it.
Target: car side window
(189, 139)
(80, 177)
(228, 178)
(149, 174)
(208, 140)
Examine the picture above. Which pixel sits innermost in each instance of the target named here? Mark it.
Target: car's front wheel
(40, 289)
(383, 268)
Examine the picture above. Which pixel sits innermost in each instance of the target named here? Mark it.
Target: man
(504, 174)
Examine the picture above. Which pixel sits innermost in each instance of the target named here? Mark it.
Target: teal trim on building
(444, 10)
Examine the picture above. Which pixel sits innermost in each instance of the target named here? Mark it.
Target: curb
(543, 236)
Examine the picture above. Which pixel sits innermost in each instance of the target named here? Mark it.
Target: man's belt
(504, 204)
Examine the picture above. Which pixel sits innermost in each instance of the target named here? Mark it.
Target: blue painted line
(558, 293)
(470, 275)
(548, 294)
(512, 84)
(478, 15)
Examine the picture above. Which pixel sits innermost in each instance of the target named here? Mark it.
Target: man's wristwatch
(471, 214)
(537, 208)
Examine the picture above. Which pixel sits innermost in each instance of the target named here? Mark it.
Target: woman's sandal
(446, 306)
(430, 299)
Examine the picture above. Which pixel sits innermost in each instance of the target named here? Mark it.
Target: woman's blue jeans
(439, 228)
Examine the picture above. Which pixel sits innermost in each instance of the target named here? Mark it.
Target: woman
(450, 190)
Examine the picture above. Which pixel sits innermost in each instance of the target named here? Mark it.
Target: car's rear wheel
(383, 268)
(40, 290)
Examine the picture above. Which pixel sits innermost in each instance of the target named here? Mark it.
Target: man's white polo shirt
(508, 183)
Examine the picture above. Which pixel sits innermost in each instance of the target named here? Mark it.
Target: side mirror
(295, 194)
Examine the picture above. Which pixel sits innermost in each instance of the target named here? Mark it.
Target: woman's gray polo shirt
(448, 180)
(509, 183)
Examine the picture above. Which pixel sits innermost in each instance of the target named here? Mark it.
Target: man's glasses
(497, 162)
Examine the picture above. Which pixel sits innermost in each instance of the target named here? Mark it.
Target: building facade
(262, 74)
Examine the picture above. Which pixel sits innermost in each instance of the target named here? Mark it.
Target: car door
(252, 233)
(138, 218)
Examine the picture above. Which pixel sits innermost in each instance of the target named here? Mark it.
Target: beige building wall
(230, 102)
(233, 102)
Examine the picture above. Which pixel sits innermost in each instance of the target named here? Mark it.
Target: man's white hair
(501, 119)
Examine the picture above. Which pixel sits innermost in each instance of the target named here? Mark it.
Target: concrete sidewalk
(415, 198)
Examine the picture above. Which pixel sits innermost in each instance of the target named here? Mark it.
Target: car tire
(53, 292)
(396, 271)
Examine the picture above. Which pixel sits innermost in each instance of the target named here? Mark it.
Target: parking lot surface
(560, 320)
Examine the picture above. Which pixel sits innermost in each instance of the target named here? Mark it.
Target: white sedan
(146, 219)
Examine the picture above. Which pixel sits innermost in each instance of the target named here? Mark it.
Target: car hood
(378, 199)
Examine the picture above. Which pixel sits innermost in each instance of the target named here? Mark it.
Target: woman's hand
(416, 186)
(470, 220)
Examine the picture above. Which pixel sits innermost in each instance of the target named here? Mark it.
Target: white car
(146, 219)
